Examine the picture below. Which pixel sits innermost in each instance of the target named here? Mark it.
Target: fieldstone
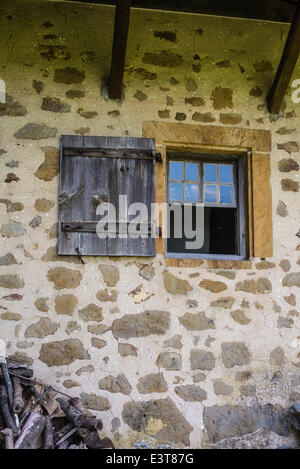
(114, 113)
(8, 259)
(7, 316)
(202, 360)
(126, 350)
(98, 329)
(191, 393)
(263, 66)
(70, 383)
(243, 375)
(52, 256)
(72, 326)
(289, 147)
(75, 94)
(35, 222)
(43, 205)
(24, 344)
(140, 96)
(87, 114)
(213, 286)
(240, 317)
(231, 421)
(291, 299)
(64, 278)
(38, 86)
(12, 206)
(260, 439)
(68, 75)
(65, 304)
(115, 384)
(291, 280)
(287, 165)
(222, 389)
(196, 322)
(94, 402)
(63, 352)
(22, 358)
(12, 281)
(12, 163)
(85, 369)
(174, 342)
(175, 285)
(225, 302)
(235, 353)
(199, 377)
(107, 295)
(12, 108)
(10, 177)
(174, 428)
(285, 322)
(256, 92)
(164, 58)
(180, 116)
(203, 117)
(193, 101)
(153, 382)
(169, 361)
(41, 304)
(97, 343)
(91, 312)
(12, 229)
(230, 274)
(147, 272)
(248, 390)
(34, 131)
(285, 265)
(110, 274)
(115, 424)
(41, 329)
(278, 356)
(82, 130)
(164, 113)
(190, 84)
(289, 185)
(54, 105)
(50, 167)
(231, 118)
(221, 98)
(259, 286)
(150, 322)
(53, 51)
(263, 265)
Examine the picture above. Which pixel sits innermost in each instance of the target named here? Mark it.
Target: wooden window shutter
(99, 169)
(262, 205)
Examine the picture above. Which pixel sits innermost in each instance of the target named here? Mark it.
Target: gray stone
(151, 322)
(202, 360)
(41, 329)
(91, 312)
(175, 285)
(110, 274)
(259, 286)
(222, 389)
(63, 352)
(115, 384)
(12, 229)
(235, 353)
(191, 393)
(196, 322)
(169, 361)
(260, 439)
(153, 382)
(291, 280)
(54, 105)
(34, 131)
(8, 259)
(11, 281)
(94, 402)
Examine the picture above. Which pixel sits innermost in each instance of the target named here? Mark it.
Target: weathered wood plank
(286, 67)
(122, 17)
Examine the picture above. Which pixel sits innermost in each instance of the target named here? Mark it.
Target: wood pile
(36, 416)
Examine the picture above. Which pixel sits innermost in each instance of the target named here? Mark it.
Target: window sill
(225, 262)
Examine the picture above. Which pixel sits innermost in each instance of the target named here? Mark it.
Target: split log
(5, 409)
(73, 414)
(93, 441)
(8, 384)
(66, 437)
(18, 402)
(31, 431)
(48, 435)
(8, 438)
(63, 431)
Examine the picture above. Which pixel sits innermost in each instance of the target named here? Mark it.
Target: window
(96, 170)
(218, 183)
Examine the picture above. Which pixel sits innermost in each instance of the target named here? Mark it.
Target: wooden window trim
(256, 144)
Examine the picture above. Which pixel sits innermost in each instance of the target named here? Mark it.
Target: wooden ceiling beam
(122, 17)
(286, 67)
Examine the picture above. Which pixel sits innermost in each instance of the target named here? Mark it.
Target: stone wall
(162, 353)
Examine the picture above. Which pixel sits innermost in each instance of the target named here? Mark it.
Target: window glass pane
(210, 173)
(226, 194)
(176, 191)
(210, 193)
(176, 170)
(225, 173)
(191, 193)
(191, 171)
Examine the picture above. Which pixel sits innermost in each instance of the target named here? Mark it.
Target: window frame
(238, 162)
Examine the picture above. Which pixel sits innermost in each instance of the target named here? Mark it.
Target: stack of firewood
(36, 416)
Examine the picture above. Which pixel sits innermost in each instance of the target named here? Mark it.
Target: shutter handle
(158, 157)
(79, 255)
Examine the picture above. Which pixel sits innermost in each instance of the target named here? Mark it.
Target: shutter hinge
(158, 157)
